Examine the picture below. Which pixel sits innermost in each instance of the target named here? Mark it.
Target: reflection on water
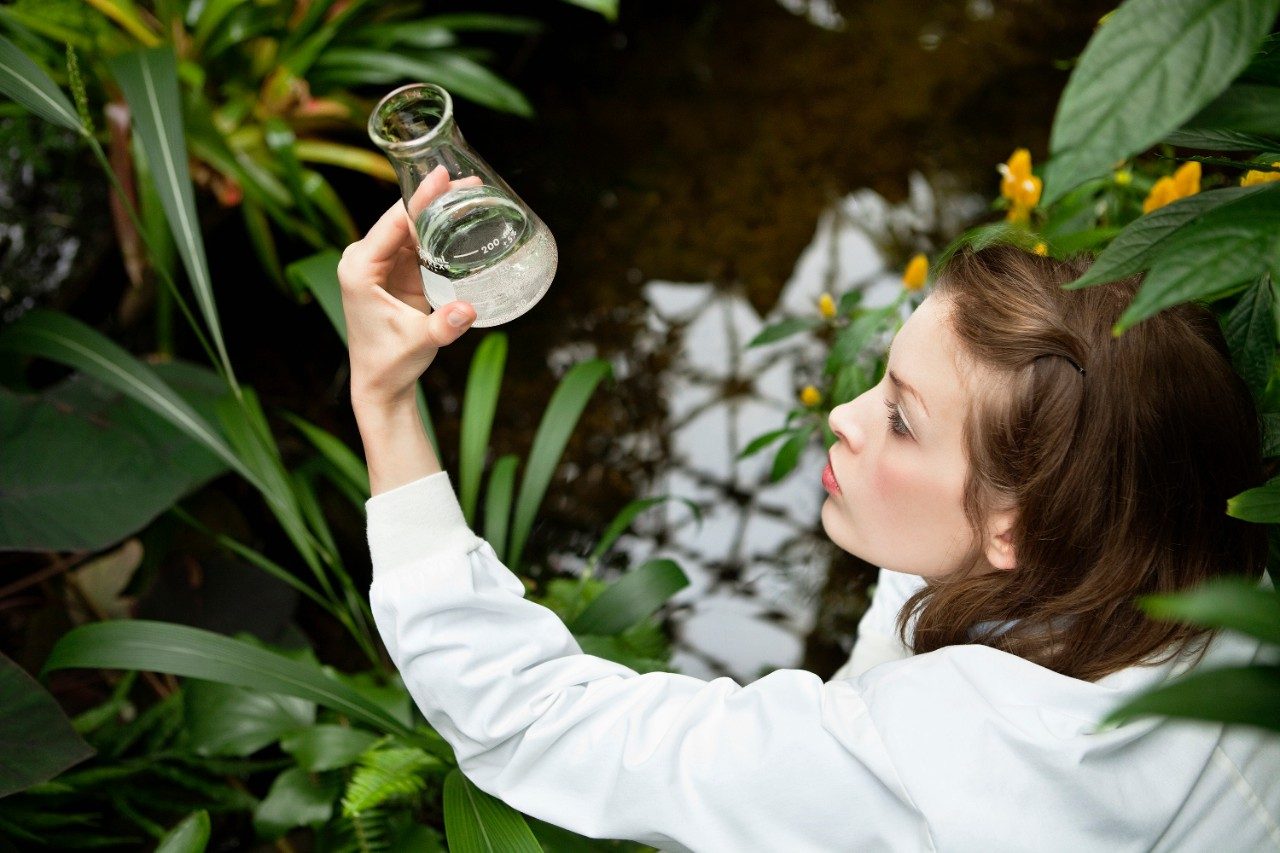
(758, 560)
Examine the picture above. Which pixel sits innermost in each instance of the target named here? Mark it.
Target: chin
(837, 528)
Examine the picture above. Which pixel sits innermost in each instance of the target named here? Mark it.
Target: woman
(1021, 475)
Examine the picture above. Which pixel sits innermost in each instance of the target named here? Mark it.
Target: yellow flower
(917, 271)
(1041, 248)
(810, 396)
(1184, 182)
(1253, 177)
(826, 306)
(1123, 178)
(1019, 186)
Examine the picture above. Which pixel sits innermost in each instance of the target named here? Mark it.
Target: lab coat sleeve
(785, 763)
(877, 640)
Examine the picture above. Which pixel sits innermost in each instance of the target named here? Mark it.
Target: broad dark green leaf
(1218, 140)
(1243, 108)
(558, 421)
(1248, 695)
(86, 466)
(296, 798)
(1235, 603)
(1265, 65)
(39, 742)
(327, 746)
(149, 80)
(1251, 334)
(613, 647)
(475, 822)
(1270, 435)
(194, 653)
(782, 329)
(1136, 247)
(1261, 505)
(319, 275)
(226, 720)
(1229, 245)
(191, 835)
(479, 404)
(785, 460)
(498, 500)
(28, 84)
(637, 595)
(1147, 70)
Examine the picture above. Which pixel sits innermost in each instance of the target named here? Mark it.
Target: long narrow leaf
(497, 502)
(628, 514)
(1249, 695)
(478, 407)
(476, 822)
(26, 82)
(1234, 603)
(557, 424)
(195, 653)
(149, 79)
(636, 596)
(333, 449)
(63, 339)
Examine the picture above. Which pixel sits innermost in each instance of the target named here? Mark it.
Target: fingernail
(457, 318)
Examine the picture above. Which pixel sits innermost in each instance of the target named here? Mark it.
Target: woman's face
(899, 463)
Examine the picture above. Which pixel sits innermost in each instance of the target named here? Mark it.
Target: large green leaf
(1243, 108)
(86, 466)
(39, 742)
(1228, 246)
(1260, 505)
(1248, 695)
(327, 746)
(558, 421)
(225, 720)
(1250, 330)
(475, 822)
(1218, 140)
(61, 338)
(28, 84)
(478, 407)
(191, 835)
(149, 80)
(1147, 70)
(319, 275)
(1234, 603)
(194, 653)
(636, 596)
(296, 798)
(1137, 246)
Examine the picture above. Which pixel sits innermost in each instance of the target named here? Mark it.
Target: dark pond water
(707, 167)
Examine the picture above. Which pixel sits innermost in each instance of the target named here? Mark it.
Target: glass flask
(479, 241)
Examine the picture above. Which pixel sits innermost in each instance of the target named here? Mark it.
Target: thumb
(447, 324)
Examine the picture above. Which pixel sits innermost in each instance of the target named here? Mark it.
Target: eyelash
(896, 424)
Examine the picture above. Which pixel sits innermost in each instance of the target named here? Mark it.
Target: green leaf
(191, 835)
(28, 84)
(1218, 140)
(1143, 74)
(1137, 246)
(1243, 108)
(1235, 603)
(226, 720)
(1248, 695)
(332, 448)
(39, 742)
(384, 775)
(194, 653)
(782, 329)
(149, 80)
(475, 822)
(1227, 246)
(327, 747)
(479, 22)
(61, 338)
(319, 275)
(478, 407)
(498, 501)
(631, 599)
(607, 8)
(1270, 435)
(460, 75)
(1251, 333)
(789, 454)
(1261, 504)
(628, 514)
(296, 798)
(558, 421)
(760, 442)
(86, 466)
(612, 647)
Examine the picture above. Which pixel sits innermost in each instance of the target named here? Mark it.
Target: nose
(844, 422)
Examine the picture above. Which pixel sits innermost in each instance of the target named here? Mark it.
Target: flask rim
(396, 145)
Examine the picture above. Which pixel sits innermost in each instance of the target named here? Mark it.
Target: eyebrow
(902, 386)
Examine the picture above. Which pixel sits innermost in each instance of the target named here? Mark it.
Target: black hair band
(1072, 361)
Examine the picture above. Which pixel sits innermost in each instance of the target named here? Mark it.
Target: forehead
(927, 356)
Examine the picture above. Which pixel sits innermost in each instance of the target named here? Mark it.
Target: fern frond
(384, 775)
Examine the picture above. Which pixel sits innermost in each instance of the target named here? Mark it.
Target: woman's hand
(392, 333)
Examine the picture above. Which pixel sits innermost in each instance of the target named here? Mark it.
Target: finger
(450, 322)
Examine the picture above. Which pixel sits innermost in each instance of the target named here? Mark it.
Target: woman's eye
(896, 423)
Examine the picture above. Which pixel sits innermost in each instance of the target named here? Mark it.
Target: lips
(829, 479)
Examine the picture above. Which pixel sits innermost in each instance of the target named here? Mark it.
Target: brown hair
(1120, 475)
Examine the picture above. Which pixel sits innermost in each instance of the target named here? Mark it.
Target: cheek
(916, 489)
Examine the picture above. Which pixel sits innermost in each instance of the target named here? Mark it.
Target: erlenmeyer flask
(480, 242)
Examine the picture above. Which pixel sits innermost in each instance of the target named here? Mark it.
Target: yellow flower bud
(1187, 178)
(916, 273)
(1041, 248)
(1123, 178)
(826, 306)
(810, 396)
(1014, 173)
(1163, 192)
(1253, 177)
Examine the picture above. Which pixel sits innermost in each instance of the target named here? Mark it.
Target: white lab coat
(964, 748)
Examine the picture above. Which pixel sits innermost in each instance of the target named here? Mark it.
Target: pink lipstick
(829, 479)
